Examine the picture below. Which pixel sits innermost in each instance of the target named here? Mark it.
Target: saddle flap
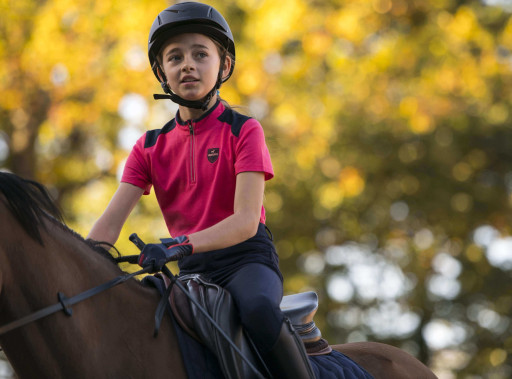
(220, 307)
(181, 309)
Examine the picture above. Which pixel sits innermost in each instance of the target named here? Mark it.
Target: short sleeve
(251, 151)
(136, 170)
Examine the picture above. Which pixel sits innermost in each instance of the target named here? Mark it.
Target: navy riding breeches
(257, 292)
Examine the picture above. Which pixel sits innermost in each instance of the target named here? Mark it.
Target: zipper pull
(191, 128)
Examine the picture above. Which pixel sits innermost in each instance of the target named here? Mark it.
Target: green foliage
(388, 122)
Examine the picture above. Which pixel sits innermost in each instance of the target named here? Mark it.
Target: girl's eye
(202, 55)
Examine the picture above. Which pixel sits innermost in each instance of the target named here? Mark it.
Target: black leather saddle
(299, 308)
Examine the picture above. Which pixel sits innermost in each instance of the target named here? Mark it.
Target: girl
(208, 167)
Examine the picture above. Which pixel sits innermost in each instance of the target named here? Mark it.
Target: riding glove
(157, 255)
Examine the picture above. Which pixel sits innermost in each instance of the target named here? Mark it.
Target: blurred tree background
(388, 122)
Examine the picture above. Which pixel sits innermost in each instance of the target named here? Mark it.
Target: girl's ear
(160, 74)
(227, 66)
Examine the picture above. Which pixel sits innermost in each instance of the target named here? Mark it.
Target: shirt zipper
(192, 153)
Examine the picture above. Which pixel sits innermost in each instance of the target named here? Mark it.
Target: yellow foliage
(421, 123)
(409, 184)
(477, 159)
(11, 98)
(305, 158)
(323, 128)
(408, 153)
(446, 78)
(351, 181)
(46, 133)
(348, 22)
(230, 94)
(408, 106)
(338, 56)
(438, 47)
(382, 6)
(295, 284)
(68, 115)
(464, 24)
(498, 357)
(330, 195)
(462, 171)
(473, 253)
(250, 79)
(506, 37)
(379, 107)
(273, 201)
(461, 202)
(316, 43)
(285, 116)
(330, 167)
(498, 113)
(20, 139)
(350, 184)
(249, 5)
(385, 56)
(275, 22)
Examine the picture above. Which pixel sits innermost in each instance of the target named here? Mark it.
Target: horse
(108, 335)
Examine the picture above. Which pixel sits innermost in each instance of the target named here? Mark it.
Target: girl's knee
(258, 309)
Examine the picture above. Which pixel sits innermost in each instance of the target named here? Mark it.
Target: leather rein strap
(65, 303)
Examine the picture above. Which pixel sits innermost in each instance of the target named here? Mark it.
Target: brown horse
(108, 335)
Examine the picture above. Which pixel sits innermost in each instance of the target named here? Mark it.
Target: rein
(65, 303)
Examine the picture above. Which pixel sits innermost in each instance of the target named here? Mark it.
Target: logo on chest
(213, 154)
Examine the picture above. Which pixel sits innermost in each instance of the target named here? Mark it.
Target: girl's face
(191, 65)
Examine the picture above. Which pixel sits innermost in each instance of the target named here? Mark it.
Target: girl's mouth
(189, 79)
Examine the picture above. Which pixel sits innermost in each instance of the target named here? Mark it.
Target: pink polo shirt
(193, 166)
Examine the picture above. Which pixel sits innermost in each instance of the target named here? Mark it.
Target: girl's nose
(188, 64)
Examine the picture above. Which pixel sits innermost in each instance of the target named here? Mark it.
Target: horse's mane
(30, 204)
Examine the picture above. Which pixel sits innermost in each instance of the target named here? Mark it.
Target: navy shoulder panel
(152, 135)
(235, 119)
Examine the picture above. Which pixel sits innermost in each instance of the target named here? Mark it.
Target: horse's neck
(110, 332)
(36, 273)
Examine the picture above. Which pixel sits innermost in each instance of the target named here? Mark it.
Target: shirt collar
(213, 113)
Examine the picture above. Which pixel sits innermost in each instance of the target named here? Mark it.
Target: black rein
(65, 303)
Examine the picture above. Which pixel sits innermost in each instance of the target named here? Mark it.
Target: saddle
(299, 308)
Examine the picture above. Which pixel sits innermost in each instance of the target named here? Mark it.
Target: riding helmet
(189, 17)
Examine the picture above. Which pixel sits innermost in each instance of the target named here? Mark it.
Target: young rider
(208, 167)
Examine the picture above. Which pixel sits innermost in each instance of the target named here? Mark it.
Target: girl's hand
(157, 255)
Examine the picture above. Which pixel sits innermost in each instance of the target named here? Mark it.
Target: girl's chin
(191, 96)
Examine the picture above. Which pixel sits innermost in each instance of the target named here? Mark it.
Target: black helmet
(189, 17)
